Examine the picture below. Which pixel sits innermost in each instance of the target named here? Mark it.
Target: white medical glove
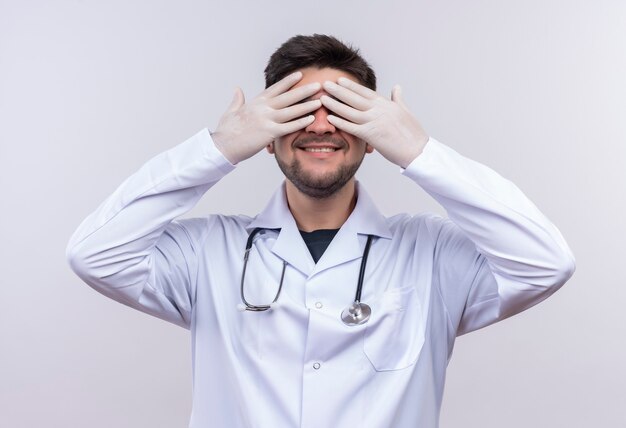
(246, 128)
(387, 125)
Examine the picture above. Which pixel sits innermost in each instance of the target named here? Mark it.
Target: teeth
(320, 150)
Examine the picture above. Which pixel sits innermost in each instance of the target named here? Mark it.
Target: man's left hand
(387, 125)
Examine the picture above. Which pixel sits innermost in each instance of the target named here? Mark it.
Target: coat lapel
(347, 245)
(349, 242)
(289, 245)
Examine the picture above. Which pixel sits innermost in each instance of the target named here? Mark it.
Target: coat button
(316, 366)
(319, 305)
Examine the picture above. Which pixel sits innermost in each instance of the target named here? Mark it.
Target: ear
(270, 148)
(368, 148)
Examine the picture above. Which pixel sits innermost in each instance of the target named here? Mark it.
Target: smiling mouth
(320, 144)
(320, 149)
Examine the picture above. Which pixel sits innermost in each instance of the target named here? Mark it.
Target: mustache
(337, 141)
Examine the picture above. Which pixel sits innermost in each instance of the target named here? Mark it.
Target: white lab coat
(428, 280)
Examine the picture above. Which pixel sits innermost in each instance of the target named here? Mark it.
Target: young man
(347, 318)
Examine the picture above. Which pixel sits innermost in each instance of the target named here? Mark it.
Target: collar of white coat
(364, 220)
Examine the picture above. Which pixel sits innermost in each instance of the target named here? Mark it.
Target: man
(347, 318)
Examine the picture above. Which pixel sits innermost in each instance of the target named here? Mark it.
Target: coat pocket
(394, 335)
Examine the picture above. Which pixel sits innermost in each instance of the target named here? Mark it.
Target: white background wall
(90, 90)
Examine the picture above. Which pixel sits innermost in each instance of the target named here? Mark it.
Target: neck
(328, 213)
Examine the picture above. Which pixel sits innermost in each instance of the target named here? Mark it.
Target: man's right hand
(246, 128)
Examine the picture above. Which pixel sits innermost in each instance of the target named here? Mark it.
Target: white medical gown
(428, 280)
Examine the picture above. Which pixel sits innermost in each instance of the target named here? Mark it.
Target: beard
(315, 185)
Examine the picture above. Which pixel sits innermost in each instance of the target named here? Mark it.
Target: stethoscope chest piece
(355, 314)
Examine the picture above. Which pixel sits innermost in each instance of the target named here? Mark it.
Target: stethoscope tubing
(249, 306)
(355, 314)
(366, 252)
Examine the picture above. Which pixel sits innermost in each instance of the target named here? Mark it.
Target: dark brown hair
(319, 51)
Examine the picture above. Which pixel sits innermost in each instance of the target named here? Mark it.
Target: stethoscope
(355, 314)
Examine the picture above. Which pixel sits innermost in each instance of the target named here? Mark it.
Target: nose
(320, 125)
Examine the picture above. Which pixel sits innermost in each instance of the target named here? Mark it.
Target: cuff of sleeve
(429, 153)
(211, 151)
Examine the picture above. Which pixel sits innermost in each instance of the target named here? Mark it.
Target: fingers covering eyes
(294, 96)
(283, 85)
(349, 127)
(343, 110)
(348, 96)
(363, 91)
(296, 110)
(295, 125)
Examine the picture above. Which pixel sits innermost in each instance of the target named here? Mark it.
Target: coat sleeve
(132, 250)
(498, 251)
